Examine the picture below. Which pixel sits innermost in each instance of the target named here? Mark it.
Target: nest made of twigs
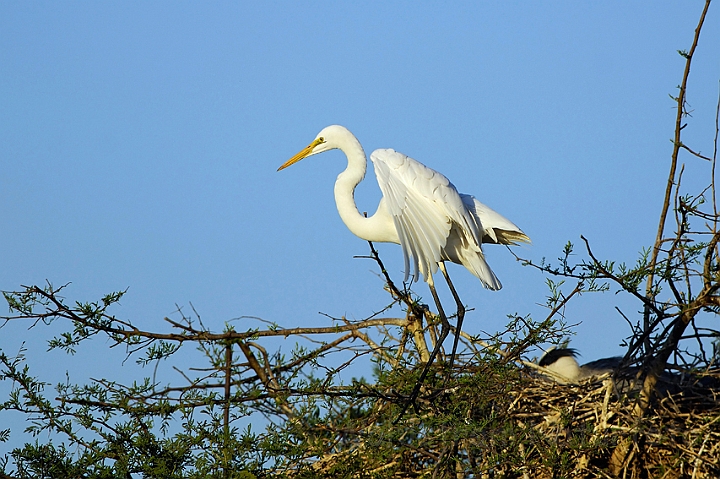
(516, 423)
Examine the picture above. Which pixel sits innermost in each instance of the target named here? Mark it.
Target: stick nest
(515, 423)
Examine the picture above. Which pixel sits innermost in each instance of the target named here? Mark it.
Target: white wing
(497, 228)
(432, 222)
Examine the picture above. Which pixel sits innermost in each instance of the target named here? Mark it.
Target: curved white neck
(378, 227)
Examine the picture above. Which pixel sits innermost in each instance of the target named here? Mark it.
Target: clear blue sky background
(139, 143)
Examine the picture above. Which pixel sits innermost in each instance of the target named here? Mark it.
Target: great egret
(420, 210)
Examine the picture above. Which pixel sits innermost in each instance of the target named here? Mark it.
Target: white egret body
(420, 210)
(423, 212)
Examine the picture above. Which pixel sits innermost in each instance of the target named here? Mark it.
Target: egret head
(329, 138)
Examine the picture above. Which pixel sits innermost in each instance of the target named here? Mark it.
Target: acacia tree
(245, 409)
(120, 429)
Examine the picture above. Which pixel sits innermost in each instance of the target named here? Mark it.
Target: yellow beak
(304, 153)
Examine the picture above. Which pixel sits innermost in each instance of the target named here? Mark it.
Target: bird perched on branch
(420, 210)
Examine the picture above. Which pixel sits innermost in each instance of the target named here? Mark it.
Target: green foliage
(252, 413)
(108, 429)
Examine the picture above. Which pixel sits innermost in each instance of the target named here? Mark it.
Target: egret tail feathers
(476, 264)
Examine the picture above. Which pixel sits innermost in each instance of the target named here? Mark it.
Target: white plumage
(562, 362)
(420, 210)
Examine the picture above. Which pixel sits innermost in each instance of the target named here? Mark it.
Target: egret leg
(444, 331)
(460, 313)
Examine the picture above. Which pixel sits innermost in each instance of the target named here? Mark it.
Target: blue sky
(139, 143)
